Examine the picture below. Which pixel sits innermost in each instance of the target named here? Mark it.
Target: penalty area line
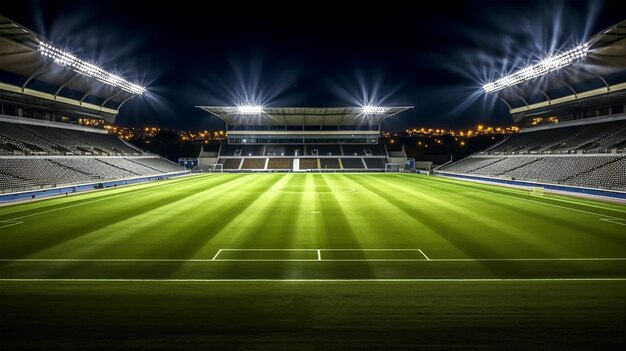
(217, 254)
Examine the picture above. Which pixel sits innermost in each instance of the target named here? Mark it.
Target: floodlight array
(549, 64)
(66, 59)
(244, 109)
(373, 110)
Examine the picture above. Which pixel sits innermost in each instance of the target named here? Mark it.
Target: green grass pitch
(312, 262)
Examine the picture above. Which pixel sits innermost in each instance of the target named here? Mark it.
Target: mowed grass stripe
(43, 230)
(189, 221)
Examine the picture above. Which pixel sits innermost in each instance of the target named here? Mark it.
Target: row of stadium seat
(597, 171)
(305, 163)
(27, 172)
(303, 150)
(592, 138)
(25, 139)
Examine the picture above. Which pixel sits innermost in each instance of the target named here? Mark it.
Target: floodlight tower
(547, 65)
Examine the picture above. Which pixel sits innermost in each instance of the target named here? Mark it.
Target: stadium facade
(303, 139)
(573, 121)
(45, 94)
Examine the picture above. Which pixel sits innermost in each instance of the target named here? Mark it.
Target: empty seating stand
(352, 163)
(589, 155)
(280, 163)
(329, 163)
(26, 173)
(43, 140)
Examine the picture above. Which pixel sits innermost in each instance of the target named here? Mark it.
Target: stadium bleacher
(35, 156)
(601, 137)
(352, 163)
(280, 163)
(40, 140)
(588, 155)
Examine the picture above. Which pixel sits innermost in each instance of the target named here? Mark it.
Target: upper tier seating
(591, 138)
(40, 140)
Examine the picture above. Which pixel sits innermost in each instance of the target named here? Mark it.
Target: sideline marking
(605, 217)
(374, 280)
(11, 223)
(614, 221)
(319, 255)
(125, 191)
(569, 200)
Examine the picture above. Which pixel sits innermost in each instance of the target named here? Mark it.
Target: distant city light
(549, 64)
(373, 110)
(66, 59)
(245, 109)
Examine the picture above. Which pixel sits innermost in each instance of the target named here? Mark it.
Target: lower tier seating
(22, 173)
(280, 163)
(603, 171)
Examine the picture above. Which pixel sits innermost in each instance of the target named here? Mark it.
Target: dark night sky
(433, 55)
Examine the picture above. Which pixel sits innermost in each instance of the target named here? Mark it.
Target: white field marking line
(319, 255)
(268, 249)
(615, 221)
(551, 198)
(11, 223)
(540, 202)
(321, 260)
(423, 254)
(106, 260)
(208, 260)
(320, 249)
(374, 280)
(100, 198)
(370, 249)
(217, 254)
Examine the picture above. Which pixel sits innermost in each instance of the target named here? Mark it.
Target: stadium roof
(305, 116)
(602, 71)
(29, 59)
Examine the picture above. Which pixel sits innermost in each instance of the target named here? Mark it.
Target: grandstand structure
(306, 139)
(573, 122)
(45, 94)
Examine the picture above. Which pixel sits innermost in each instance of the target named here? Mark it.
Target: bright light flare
(66, 59)
(373, 110)
(549, 64)
(245, 109)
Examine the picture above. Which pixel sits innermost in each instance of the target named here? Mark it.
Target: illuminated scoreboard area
(303, 138)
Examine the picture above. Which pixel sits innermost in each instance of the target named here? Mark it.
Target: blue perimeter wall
(571, 189)
(32, 194)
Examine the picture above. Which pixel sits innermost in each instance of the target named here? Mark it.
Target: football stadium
(303, 230)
